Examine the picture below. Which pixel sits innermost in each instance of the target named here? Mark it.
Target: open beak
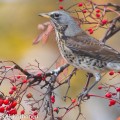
(46, 15)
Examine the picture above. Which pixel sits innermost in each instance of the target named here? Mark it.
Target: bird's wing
(84, 44)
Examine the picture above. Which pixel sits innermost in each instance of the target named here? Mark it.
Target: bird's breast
(79, 60)
(66, 53)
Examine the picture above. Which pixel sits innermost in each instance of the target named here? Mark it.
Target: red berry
(73, 100)
(80, 4)
(39, 74)
(104, 21)
(112, 102)
(52, 99)
(35, 113)
(13, 104)
(22, 112)
(98, 10)
(18, 77)
(11, 92)
(118, 89)
(97, 15)
(60, 7)
(29, 95)
(60, 0)
(1, 102)
(2, 109)
(111, 73)
(8, 107)
(14, 88)
(100, 87)
(84, 11)
(24, 81)
(55, 109)
(108, 95)
(6, 101)
(12, 112)
(32, 117)
(91, 31)
(34, 108)
(43, 78)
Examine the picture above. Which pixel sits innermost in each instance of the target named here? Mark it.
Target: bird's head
(59, 17)
(62, 19)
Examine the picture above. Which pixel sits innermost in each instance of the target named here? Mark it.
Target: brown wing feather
(83, 44)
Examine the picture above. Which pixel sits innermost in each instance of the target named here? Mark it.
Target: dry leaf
(47, 28)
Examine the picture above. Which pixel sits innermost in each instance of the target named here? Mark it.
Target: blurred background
(18, 28)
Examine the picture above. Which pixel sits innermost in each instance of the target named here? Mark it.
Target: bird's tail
(114, 66)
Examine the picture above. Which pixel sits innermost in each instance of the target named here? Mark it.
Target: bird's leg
(97, 79)
(90, 75)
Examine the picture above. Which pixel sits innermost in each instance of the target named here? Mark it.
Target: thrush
(81, 50)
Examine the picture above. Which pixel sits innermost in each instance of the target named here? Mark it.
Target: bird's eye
(56, 15)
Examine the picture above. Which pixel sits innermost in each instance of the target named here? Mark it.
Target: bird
(80, 49)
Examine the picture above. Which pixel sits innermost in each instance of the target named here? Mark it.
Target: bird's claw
(84, 96)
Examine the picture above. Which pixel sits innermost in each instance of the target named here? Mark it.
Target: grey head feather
(62, 19)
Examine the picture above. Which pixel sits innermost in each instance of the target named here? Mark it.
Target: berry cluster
(8, 106)
(111, 96)
(13, 89)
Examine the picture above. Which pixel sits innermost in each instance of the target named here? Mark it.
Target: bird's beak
(46, 15)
